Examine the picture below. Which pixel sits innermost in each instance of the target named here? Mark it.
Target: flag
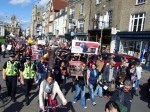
(143, 53)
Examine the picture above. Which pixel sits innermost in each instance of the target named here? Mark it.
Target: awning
(134, 35)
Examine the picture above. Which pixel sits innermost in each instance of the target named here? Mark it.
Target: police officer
(10, 73)
(28, 72)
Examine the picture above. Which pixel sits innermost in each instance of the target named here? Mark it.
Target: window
(97, 2)
(82, 8)
(81, 26)
(140, 1)
(110, 18)
(137, 22)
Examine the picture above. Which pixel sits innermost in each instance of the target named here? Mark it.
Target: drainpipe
(89, 18)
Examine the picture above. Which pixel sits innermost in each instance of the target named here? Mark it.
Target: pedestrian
(80, 82)
(10, 73)
(111, 106)
(138, 74)
(123, 96)
(48, 90)
(92, 79)
(109, 77)
(28, 72)
(3, 47)
(41, 66)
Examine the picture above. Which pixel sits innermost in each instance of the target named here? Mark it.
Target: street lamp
(102, 27)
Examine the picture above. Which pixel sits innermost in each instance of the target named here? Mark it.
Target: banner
(9, 47)
(35, 54)
(76, 68)
(41, 42)
(85, 47)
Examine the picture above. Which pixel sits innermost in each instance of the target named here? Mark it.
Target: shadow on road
(69, 108)
(15, 107)
(144, 93)
(68, 87)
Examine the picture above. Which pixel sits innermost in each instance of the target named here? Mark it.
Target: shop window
(140, 1)
(97, 2)
(131, 45)
(137, 22)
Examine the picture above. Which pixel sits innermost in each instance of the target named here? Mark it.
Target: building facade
(60, 23)
(36, 21)
(2, 29)
(13, 27)
(134, 36)
(78, 19)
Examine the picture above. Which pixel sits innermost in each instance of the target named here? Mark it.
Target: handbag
(112, 86)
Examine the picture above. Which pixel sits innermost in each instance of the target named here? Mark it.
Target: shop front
(95, 35)
(136, 44)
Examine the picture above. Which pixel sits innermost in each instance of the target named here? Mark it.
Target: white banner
(41, 42)
(85, 47)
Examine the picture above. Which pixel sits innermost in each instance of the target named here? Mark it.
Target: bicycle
(51, 105)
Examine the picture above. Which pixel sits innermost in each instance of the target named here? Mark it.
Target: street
(139, 103)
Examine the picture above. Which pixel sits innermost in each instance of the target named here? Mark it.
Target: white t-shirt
(3, 48)
(138, 72)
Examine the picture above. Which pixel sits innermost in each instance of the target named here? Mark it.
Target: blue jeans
(80, 89)
(40, 78)
(63, 82)
(137, 83)
(98, 91)
(91, 91)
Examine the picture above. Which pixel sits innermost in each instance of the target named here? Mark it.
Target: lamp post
(103, 22)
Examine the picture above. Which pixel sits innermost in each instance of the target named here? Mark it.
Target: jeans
(80, 89)
(3, 54)
(63, 82)
(98, 91)
(91, 91)
(137, 83)
(40, 78)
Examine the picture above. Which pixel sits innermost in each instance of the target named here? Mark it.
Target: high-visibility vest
(11, 69)
(28, 72)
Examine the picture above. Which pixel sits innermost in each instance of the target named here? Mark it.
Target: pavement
(139, 103)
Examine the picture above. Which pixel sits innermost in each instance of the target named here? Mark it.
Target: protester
(123, 96)
(138, 74)
(3, 47)
(109, 76)
(92, 77)
(80, 82)
(111, 106)
(49, 88)
(40, 70)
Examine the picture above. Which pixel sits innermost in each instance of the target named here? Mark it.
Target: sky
(21, 8)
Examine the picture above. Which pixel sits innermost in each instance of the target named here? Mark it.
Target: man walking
(28, 71)
(10, 73)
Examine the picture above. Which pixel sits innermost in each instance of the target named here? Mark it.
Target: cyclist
(48, 90)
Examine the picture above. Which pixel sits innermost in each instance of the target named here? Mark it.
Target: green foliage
(2, 39)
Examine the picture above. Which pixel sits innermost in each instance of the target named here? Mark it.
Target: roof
(134, 35)
(59, 4)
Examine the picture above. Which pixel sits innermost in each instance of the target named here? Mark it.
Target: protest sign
(41, 42)
(85, 47)
(9, 47)
(76, 68)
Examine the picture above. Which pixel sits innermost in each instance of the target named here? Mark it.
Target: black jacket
(124, 97)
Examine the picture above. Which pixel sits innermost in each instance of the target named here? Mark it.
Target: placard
(41, 42)
(76, 68)
(85, 47)
(9, 47)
